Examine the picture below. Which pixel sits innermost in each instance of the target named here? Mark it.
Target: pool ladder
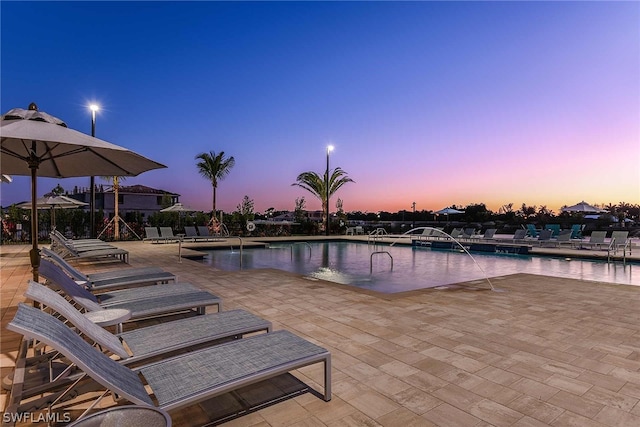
(377, 253)
(300, 243)
(614, 248)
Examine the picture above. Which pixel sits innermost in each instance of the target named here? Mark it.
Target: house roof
(141, 189)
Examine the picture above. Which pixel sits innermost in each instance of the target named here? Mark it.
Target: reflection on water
(350, 263)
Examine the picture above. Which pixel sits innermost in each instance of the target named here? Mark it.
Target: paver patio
(544, 351)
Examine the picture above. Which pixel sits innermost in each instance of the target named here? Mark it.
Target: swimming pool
(403, 268)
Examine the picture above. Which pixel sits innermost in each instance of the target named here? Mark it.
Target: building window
(121, 199)
(159, 200)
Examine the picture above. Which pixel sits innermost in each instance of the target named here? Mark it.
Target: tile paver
(546, 351)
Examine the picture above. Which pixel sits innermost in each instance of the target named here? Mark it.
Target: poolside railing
(300, 243)
(375, 253)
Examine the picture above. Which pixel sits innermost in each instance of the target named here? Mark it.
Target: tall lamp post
(413, 205)
(92, 181)
(326, 226)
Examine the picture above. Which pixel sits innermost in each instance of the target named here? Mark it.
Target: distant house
(134, 198)
(314, 216)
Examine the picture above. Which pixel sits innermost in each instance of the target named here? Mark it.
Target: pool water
(392, 269)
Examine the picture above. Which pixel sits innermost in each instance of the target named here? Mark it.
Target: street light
(92, 181)
(413, 205)
(326, 227)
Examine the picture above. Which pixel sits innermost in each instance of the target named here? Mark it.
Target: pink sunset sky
(437, 103)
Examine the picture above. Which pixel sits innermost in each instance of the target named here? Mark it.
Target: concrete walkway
(544, 351)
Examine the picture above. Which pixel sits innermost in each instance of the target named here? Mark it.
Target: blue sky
(437, 103)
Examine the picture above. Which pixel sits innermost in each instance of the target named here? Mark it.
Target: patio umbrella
(178, 207)
(583, 207)
(34, 143)
(5, 178)
(53, 203)
(448, 211)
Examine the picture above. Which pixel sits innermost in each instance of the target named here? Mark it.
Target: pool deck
(542, 351)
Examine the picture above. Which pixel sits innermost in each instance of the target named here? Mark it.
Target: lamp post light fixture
(326, 227)
(92, 181)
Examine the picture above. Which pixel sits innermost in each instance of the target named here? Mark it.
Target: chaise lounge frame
(150, 301)
(114, 279)
(182, 380)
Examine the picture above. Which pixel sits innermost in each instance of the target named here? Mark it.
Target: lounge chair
(555, 228)
(595, 240)
(359, 230)
(151, 234)
(155, 340)
(519, 235)
(92, 250)
(545, 236)
(78, 242)
(203, 230)
(576, 231)
(456, 233)
(59, 241)
(488, 234)
(166, 233)
(467, 233)
(564, 237)
(191, 233)
(620, 240)
(178, 381)
(150, 301)
(114, 279)
(532, 231)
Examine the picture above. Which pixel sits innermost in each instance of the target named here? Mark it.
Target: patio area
(543, 351)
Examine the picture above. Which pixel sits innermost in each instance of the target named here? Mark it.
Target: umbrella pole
(116, 231)
(34, 254)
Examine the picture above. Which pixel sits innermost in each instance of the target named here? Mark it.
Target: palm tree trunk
(213, 214)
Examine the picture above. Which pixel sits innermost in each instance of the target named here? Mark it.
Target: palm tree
(214, 167)
(316, 184)
(116, 196)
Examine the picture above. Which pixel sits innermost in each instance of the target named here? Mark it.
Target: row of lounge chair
(166, 234)
(86, 248)
(576, 230)
(549, 236)
(202, 234)
(167, 365)
(597, 239)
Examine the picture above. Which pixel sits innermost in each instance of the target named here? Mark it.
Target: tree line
(215, 167)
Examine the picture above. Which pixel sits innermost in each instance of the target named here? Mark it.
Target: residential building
(133, 198)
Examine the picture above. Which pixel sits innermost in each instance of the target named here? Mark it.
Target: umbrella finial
(33, 106)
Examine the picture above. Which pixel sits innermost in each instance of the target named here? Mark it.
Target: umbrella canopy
(59, 202)
(36, 144)
(178, 207)
(53, 203)
(582, 207)
(60, 152)
(5, 178)
(448, 211)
